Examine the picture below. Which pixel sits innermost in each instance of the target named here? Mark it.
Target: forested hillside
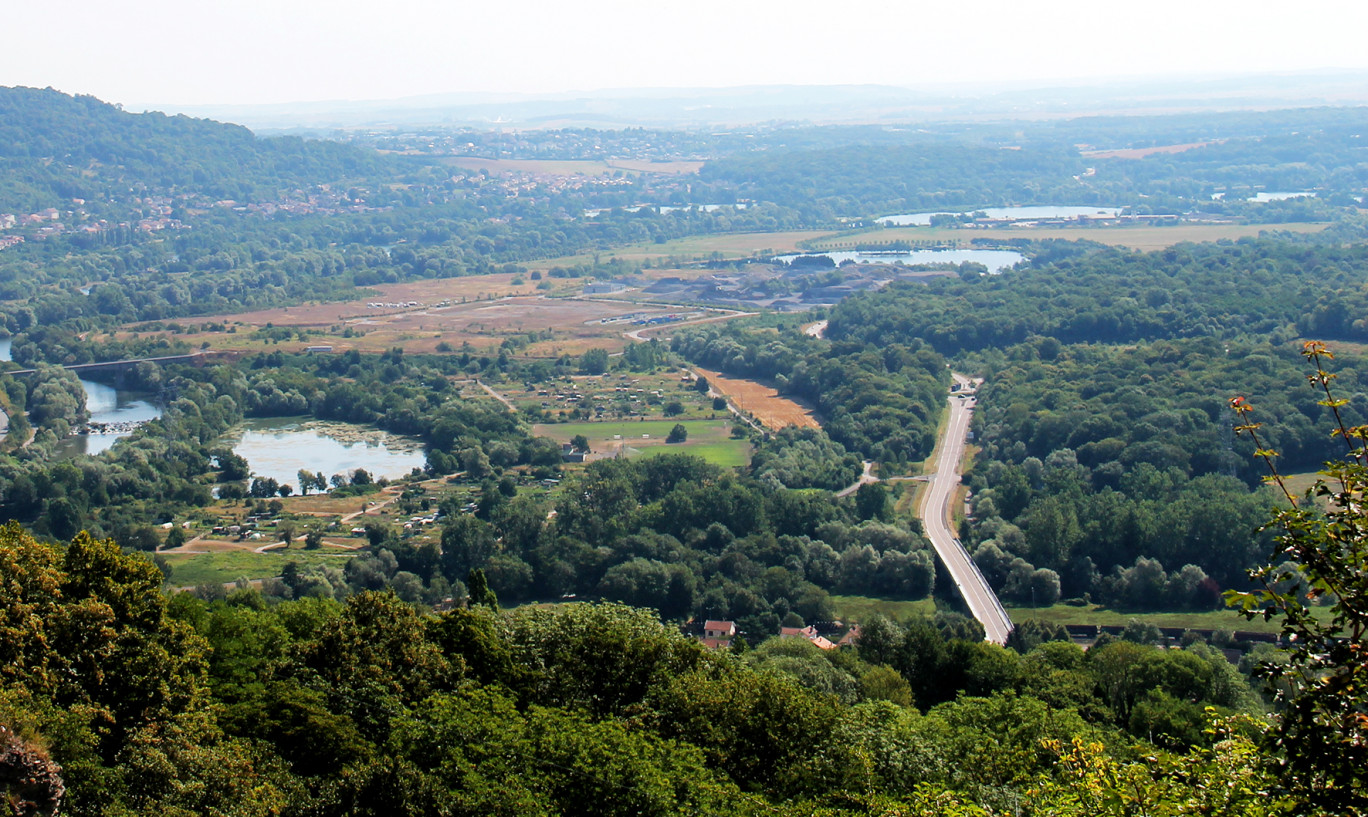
(55, 148)
(866, 180)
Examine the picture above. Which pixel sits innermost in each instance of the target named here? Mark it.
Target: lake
(1280, 196)
(995, 260)
(1009, 213)
(279, 447)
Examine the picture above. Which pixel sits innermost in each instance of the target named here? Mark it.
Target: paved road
(865, 479)
(935, 515)
(639, 334)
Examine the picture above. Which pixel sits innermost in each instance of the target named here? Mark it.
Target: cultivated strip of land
(760, 401)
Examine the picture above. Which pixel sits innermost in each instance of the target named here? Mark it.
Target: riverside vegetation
(1105, 471)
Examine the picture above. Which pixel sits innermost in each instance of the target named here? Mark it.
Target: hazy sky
(146, 52)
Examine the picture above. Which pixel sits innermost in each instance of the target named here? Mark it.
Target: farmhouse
(718, 635)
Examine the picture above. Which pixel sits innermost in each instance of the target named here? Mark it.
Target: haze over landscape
(739, 409)
(161, 55)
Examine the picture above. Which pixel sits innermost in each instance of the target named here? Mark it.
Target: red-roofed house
(810, 633)
(852, 635)
(719, 629)
(718, 635)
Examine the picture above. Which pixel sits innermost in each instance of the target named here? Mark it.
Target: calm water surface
(1280, 196)
(279, 447)
(1012, 213)
(108, 405)
(995, 260)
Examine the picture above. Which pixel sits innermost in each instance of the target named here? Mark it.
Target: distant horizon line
(971, 87)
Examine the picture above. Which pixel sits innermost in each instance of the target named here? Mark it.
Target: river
(275, 448)
(120, 409)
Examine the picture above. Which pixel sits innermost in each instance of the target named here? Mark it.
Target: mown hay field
(762, 402)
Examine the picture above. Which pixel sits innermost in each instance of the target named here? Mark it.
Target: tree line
(372, 707)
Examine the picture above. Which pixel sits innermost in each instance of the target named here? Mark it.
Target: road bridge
(195, 358)
(935, 513)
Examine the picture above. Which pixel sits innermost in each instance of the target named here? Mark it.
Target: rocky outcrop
(31, 784)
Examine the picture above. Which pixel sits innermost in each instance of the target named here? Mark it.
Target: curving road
(727, 314)
(935, 515)
(865, 479)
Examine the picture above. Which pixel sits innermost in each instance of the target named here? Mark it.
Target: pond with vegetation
(279, 447)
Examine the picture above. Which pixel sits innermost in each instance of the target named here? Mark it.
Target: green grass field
(709, 439)
(859, 608)
(730, 454)
(190, 569)
(1214, 620)
(1299, 482)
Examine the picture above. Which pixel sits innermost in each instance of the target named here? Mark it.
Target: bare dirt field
(761, 401)
(419, 316)
(1140, 153)
(469, 288)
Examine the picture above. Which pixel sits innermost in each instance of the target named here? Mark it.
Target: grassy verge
(909, 501)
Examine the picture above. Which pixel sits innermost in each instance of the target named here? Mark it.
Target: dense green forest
(853, 181)
(1104, 431)
(1072, 292)
(412, 677)
(169, 706)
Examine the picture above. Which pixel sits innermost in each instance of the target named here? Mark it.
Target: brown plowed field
(1140, 153)
(763, 402)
